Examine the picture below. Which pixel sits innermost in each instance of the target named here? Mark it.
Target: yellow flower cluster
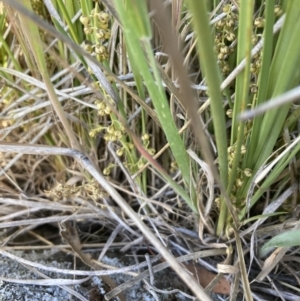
(97, 24)
(225, 34)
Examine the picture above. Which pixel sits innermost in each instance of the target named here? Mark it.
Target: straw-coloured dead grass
(92, 163)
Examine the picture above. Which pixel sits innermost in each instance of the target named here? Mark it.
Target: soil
(91, 290)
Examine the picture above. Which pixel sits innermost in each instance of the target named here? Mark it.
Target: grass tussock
(155, 127)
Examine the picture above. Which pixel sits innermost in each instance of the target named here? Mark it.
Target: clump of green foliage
(122, 39)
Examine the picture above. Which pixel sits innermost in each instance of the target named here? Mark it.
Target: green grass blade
(7, 50)
(31, 32)
(242, 81)
(68, 19)
(242, 86)
(274, 80)
(286, 239)
(72, 8)
(212, 75)
(283, 76)
(210, 69)
(137, 34)
(262, 216)
(267, 53)
(274, 174)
